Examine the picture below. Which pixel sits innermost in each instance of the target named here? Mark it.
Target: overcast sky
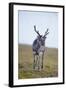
(42, 20)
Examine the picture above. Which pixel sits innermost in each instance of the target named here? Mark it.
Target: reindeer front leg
(42, 61)
(34, 62)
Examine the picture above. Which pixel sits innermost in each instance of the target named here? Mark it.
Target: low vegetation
(25, 63)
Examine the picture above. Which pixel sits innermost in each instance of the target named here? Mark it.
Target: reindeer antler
(36, 30)
(46, 32)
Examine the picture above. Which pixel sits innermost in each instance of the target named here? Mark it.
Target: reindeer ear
(45, 37)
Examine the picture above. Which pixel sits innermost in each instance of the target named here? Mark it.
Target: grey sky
(42, 20)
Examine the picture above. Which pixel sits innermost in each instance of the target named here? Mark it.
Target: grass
(25, 63)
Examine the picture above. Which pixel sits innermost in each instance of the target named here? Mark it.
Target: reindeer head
(41, 38)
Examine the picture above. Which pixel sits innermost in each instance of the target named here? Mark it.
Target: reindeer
(38, 48)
